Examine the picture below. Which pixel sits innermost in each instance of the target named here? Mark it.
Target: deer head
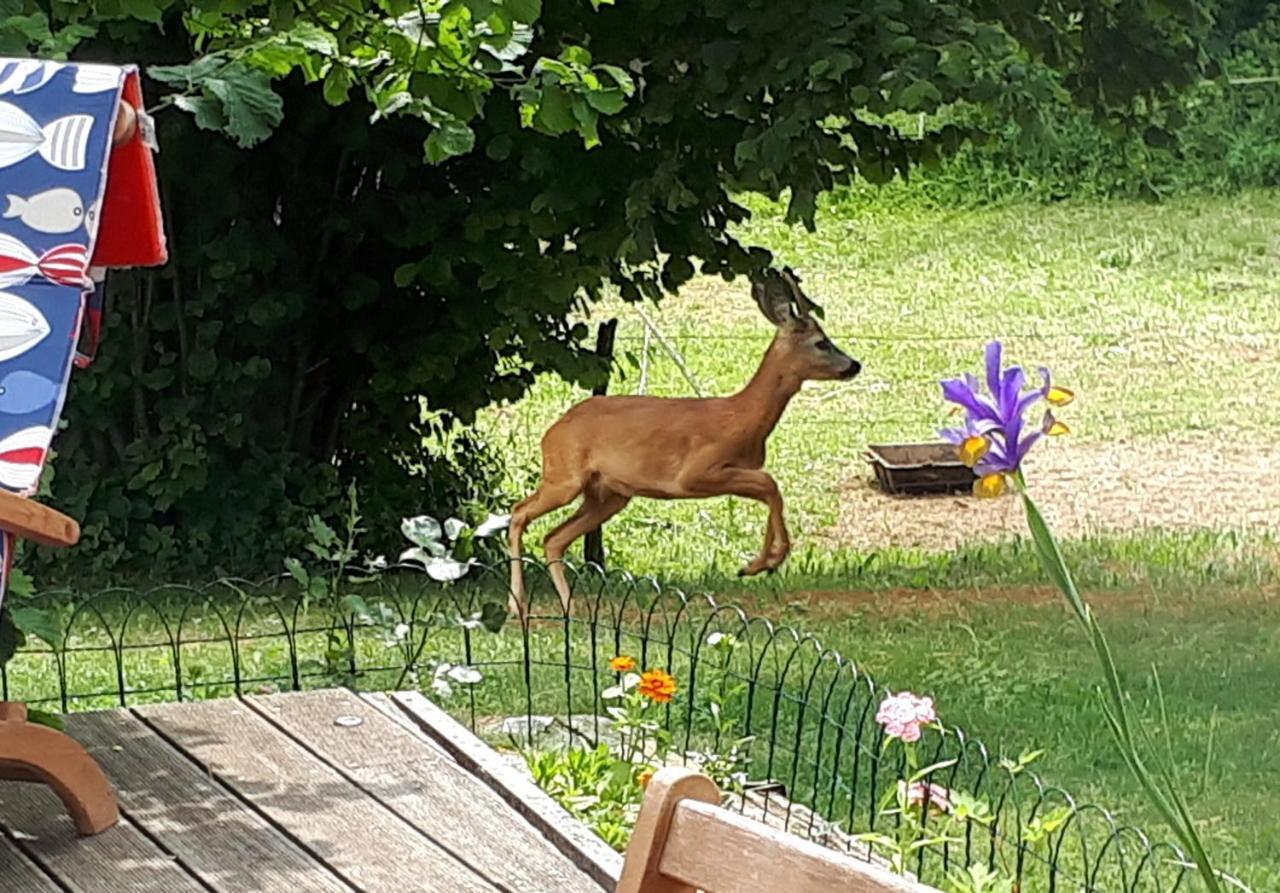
(800, 341)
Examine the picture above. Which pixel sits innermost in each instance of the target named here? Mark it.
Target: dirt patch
(936, 604)
(1192, 483)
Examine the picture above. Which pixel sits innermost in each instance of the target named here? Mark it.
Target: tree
(376, 207)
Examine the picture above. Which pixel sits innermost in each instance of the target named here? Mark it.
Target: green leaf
(608, 102)
(555, 112)
(576, 55)
(11, 638)
(493, 615)
(298, 572)
(38, 622)
(337, 85)
(146, 10)
(46, 719)
(499, 148)
(253, 108)
(526, 11)
(918, 95)
(356, 607)
(450, 139)
(311, 36)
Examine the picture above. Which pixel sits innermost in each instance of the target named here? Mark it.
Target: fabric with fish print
(56, 123)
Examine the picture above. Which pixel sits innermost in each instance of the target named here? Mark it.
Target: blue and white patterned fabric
(56, 122)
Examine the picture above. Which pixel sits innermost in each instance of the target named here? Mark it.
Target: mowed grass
(1164, 318)
(1009, 666)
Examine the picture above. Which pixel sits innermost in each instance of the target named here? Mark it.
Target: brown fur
(610, 449)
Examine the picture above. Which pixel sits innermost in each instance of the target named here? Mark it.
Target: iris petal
(995, 357)
(959, 392)
(1011, 392)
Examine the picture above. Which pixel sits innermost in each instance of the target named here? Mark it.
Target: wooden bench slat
(515, 787)
(685, 842)
(21, 874)
(366, 843)
(229, 846)
(426, 788)
(717, 850)
(119, 860)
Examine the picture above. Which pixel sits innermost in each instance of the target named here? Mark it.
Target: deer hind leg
(751, 483)
(597, 507)
(547, 498)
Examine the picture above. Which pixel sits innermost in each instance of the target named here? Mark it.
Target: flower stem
(1160, 786)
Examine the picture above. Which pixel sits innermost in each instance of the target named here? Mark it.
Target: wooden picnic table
(326, 791)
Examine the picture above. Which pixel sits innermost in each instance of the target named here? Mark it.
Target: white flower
(453, 527)
(421, 530)
(441, 687)
(401, 632)
(418, 554)
(722, 640)
(491, 525)
(465, 675)
(444, 570)
(613, 692)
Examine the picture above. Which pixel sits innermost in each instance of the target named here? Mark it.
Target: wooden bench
(684, 842)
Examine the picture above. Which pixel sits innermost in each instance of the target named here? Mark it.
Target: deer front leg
(751, 483)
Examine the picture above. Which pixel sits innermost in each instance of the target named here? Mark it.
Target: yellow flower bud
(1052, 427)
(991, 486)
(1059, 396)
(973, 449)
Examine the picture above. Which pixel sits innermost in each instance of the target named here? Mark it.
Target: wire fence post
(593, 543)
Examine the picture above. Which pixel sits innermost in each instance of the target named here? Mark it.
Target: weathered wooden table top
(324, 791)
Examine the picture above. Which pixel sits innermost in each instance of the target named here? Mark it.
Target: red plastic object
(131, 230)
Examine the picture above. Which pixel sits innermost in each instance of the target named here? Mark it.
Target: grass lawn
(1010, 666)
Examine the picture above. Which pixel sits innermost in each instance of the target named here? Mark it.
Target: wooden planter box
(906, 469)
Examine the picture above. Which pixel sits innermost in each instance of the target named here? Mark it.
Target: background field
(1165, 320)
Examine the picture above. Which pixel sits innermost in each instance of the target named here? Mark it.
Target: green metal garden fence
(805, 712)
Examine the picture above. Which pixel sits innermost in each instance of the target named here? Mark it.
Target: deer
(610, 449)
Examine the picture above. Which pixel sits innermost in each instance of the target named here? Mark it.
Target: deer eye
(824, 344)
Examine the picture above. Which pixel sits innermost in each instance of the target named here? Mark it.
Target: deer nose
(854, 368)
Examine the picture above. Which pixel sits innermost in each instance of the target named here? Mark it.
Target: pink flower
(938, 797)
(903, 714)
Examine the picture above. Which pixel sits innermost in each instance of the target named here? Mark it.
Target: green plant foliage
(1220, 136)
(412, 199)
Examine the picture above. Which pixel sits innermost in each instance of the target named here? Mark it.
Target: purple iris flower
(997, 412)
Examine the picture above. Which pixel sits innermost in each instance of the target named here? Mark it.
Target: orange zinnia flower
(657, 685)
(622, 664)
(644, 778)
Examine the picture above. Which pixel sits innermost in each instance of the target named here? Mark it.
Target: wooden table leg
(36, 753)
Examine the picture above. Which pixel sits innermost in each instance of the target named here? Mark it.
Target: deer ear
(773, 303)
(804, 307)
